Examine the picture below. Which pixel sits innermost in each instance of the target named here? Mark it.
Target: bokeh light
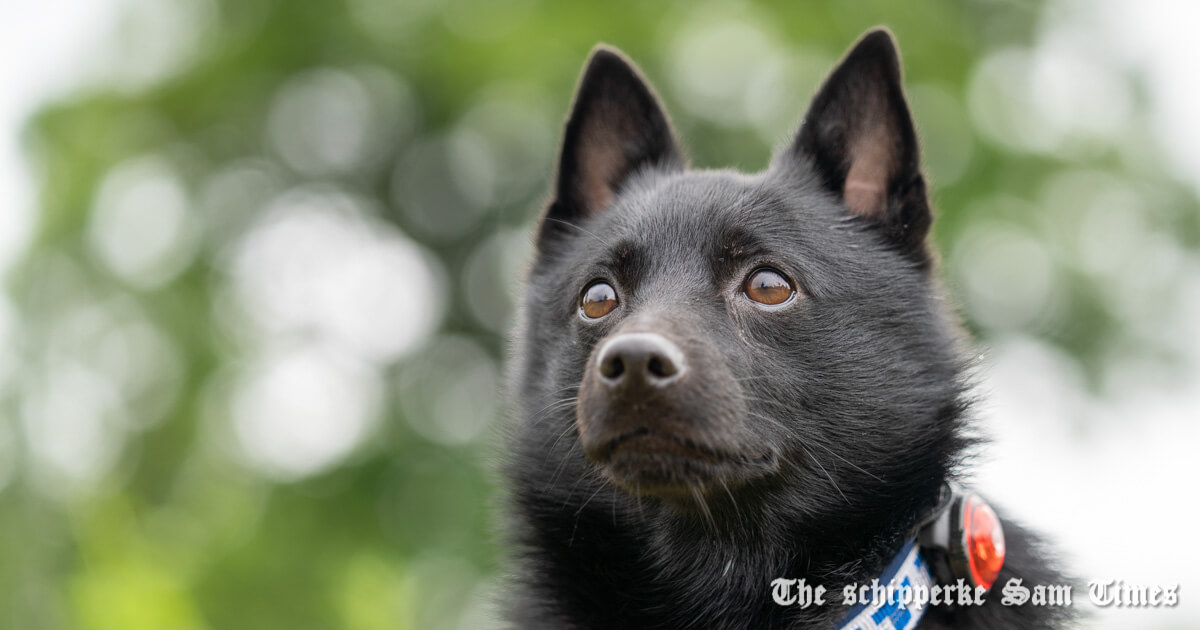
(316, 264)
(142, 228)
(301, 410)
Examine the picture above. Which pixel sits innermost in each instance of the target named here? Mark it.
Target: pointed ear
(859, 136)
(616, 128)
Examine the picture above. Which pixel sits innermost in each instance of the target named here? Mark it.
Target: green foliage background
(461, 100)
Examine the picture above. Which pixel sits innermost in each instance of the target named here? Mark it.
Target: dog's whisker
(555, 406)
(563, 463)
(589, 500)
(567, 430)
(850, 463)
(589, 233)
(732, 500)
(702, 503)
(827, 475)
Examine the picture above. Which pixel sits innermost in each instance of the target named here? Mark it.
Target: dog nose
(641, 358)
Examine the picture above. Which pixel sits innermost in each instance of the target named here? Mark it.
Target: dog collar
(894, 610)
(962, 539)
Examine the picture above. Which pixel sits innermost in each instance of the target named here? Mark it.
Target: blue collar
(907, 570)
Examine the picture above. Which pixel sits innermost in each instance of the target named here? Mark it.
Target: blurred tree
(262, 320)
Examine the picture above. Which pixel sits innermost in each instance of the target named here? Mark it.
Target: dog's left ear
(859, 136)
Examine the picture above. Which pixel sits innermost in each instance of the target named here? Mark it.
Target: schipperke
(725, 383)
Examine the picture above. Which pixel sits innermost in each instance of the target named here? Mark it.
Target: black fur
(803, 440)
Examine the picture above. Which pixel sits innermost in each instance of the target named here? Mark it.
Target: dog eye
(597, 300)
(767, 286)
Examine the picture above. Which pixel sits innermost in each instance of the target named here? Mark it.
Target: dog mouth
(648, 462)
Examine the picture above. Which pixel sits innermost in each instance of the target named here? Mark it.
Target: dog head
(770, 335)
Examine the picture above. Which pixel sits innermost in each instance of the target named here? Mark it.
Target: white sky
(44, 50)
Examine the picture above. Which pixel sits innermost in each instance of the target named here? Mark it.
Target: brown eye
(767, 286)
(598, 300)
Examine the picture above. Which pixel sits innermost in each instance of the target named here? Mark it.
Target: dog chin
(679, 470)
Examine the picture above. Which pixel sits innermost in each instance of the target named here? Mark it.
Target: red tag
(985, 541)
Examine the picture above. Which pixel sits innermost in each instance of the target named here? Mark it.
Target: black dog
(724, 379)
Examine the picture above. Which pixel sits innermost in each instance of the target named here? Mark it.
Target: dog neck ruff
(961, 542)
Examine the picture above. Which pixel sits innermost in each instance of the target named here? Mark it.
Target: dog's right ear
(616, 128)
